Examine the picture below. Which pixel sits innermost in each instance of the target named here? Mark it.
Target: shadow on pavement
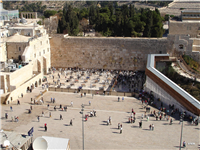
(103, 124)
(135, 126)
(66, 124)
(146, 129)
(116, 132)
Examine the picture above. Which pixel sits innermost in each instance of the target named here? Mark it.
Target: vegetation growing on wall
(193, 64)
(49, 13)
(189, 85)
(112, 21)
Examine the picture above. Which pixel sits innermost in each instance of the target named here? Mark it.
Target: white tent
(50, 143)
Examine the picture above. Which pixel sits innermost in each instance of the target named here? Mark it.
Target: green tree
(157, 29)
(49, 13)
(149, 23)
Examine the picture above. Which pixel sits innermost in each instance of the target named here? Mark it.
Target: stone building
(25, 58)
(185, 34)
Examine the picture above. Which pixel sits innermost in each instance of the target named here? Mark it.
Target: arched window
(181, 46)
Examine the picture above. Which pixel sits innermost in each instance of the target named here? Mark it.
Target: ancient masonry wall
(107, 53)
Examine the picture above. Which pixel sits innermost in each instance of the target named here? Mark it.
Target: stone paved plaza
(98, 135)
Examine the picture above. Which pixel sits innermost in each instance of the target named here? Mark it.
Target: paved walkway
(97, 134)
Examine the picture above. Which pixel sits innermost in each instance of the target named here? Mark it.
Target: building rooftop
(17, 38)
(15, 138)
(196, 11)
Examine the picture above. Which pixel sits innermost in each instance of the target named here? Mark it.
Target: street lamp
(181, 120)
(81, 112)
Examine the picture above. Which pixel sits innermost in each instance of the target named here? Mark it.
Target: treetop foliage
(112, 21)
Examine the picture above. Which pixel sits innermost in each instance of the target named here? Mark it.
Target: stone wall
(187, 27)
(15, 49)
(3, 52)
(51, 24)
(23, 88)
(21, 75)
(105, 52)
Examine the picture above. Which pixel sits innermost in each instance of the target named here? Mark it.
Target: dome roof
(23, 20)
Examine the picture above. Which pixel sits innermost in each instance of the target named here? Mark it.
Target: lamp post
(181, 120)
(82, 123)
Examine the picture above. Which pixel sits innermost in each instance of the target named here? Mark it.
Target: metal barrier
(99, 92)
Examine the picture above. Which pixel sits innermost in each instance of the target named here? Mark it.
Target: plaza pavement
(97, 134)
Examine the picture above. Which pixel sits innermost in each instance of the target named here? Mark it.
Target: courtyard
(97, 134)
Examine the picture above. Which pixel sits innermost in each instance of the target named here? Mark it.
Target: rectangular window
(19, 48)
(34, 55)
(47, 49)
(43, 51)
(39, 53)
(40, 42)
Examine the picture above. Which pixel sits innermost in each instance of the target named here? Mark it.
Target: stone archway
(32, 86)
(36, 84)
(44, 67)
(28, 88)
(29, 15)
(40, 81)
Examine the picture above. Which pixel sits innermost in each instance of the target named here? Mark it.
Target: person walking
(118, 99)
(152, 127)
(45, 127)
(122, 99)
(71, 123)
(71, 104)
(42, 114)
(121, 130)
(11, 108)
(61, 118)
(51, 99)
(140, 124)
(171, 121)
(89, 103)
(184, 144)
(17, 118)
(48, 106)
(49, 114)
(118, 125)
(6, 115)
(110, 120)
(38, 117)
(18, 102)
